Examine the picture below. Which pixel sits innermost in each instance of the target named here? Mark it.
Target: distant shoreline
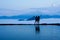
(31, 24)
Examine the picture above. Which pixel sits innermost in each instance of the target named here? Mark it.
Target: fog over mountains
(50, 12)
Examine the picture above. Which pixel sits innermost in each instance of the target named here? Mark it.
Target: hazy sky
(23, 4)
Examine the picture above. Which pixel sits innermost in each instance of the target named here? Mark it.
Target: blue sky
(24, 4)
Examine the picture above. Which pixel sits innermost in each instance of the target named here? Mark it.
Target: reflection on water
(28, 32)
(37, 28)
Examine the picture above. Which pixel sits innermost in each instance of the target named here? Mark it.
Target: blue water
(29, 32)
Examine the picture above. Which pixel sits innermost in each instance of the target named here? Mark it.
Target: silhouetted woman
(37, 19)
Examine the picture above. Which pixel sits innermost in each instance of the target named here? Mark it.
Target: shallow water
(29, 32)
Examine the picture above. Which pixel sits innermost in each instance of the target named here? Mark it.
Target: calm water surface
(29, 32)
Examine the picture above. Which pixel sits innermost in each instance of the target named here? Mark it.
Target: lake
(29, 32)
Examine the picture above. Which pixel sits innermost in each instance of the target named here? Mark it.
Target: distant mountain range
(51, 12)
(29, 16)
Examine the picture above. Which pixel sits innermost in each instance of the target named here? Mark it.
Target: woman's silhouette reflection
(37, 28)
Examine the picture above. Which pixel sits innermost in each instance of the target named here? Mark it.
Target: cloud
(22, 5)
